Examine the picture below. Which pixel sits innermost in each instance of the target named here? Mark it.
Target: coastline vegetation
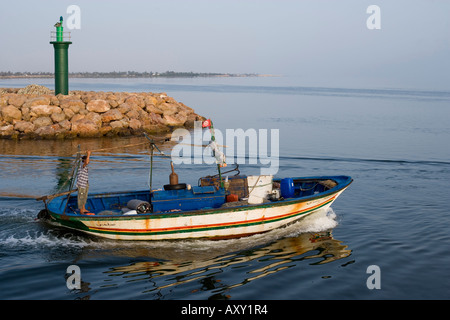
(123, 74)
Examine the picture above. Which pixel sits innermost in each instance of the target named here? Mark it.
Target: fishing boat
(199, 211)
(218, 207)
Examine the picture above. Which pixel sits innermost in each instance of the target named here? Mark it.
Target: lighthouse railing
(55, 36)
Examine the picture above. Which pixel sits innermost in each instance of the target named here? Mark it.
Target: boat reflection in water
(199, 264)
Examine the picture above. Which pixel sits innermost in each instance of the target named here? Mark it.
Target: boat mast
(213, 138)
(152, 147)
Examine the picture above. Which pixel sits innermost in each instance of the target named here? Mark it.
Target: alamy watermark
(374, 280)
(373, 22)
(234, 146)
(73, 281)
(74, 20)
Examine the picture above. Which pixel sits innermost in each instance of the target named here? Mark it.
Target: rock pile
(88, 114)
(34, 89)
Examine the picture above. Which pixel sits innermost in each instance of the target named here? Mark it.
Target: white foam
(43, 239)
(319, 221)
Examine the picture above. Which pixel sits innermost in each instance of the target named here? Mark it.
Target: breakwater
(35, 113)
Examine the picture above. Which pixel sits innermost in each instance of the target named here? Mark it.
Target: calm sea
(393, 142)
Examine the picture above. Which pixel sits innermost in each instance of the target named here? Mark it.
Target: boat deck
(198, 198)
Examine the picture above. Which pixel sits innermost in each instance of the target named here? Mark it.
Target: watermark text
(373, 22)
(235, 146)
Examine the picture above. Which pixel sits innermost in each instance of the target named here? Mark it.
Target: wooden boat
(218, 208)
(180, 212)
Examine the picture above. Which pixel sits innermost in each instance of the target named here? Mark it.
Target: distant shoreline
(127, 75)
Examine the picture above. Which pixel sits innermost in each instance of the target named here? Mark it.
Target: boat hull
(218, 223)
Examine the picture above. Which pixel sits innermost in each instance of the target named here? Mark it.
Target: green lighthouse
(61, 48)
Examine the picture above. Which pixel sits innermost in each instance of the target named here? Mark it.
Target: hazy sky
(314, 39)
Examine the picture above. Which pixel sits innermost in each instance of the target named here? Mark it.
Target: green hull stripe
(206, 228)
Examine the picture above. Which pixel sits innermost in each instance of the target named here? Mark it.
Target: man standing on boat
(83, 182)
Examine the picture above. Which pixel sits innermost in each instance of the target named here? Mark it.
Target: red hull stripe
(212, 226)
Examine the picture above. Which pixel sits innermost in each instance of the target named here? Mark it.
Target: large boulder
(73, 104)
(65, 125)
(168, 108)
(6, 130)
(44, 110)
(135, 124)
(119, 124)
(98, 105)
(85, 128)
(48, 132)
(153, 108)
(175, 120)
(41, 100)
(111, 115)
(11, 113)
(42, 122)
(24, 126)
(95, 117)
(17, 100)
(135, 101)
(58, 117)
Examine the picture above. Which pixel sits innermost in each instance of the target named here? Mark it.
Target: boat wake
(320, 221)
(20, 230)
(40, 239)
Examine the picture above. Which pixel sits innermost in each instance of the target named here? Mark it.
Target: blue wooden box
(196, 198)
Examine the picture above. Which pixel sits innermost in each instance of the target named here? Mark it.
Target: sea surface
(394, 142)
